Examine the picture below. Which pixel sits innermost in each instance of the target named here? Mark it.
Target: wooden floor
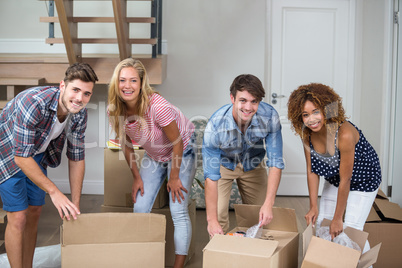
(49, 223)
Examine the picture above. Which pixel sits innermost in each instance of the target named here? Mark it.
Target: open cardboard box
(384, 224)
(319, 252)
(118, 180)
(278, 246)
(169, 249)
(113, 240)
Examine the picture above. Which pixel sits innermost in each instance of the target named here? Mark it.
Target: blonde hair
(116, 105)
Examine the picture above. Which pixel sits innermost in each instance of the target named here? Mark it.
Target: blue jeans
(153, 174)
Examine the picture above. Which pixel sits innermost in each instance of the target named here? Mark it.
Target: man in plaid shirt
(33, 129)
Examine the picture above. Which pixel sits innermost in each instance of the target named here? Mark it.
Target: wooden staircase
(69, 28)
(50, 68)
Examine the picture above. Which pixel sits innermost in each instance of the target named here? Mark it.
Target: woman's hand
(138, 185)
(336, 228)
(311, 216)
(175, 188)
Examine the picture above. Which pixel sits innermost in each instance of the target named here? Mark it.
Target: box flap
(118, 255)
(323, 253)
(358, 236)
(370, 257)
(373, 216)
(380, 194)
(95, 228)
(242, 245)
(307, 235)
(388, 209)
(284, 219)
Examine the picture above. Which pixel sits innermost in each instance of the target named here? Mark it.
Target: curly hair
(324, 98)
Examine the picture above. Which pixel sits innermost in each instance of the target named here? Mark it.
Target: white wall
(208, 44)
(376, 79)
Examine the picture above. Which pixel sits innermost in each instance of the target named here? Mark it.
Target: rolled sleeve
(274, 144)
(76, 139)
(211, 154)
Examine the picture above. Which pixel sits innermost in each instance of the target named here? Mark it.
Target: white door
(308, 41)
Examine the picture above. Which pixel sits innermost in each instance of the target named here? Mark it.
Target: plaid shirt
(25, 123)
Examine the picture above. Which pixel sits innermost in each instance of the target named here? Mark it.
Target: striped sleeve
(164, 113)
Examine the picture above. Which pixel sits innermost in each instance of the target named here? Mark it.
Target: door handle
(276, 96)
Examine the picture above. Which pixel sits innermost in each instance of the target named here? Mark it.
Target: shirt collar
(55, 100)
(231, 123)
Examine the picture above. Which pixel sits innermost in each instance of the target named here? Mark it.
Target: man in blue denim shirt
(34, 127)
(234, 149)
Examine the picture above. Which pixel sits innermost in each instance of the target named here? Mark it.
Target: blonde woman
(138, 113)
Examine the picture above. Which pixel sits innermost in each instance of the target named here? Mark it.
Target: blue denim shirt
(224, 144)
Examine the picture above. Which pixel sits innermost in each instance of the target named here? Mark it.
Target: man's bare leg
(30, 234)
(14, 235)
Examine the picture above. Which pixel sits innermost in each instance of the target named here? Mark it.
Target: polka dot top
(366, 175)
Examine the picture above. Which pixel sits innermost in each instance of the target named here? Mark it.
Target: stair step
(147, 41)
(100, 19)
(22, 81)
(109, 0)
(3, 104)
(3, 215)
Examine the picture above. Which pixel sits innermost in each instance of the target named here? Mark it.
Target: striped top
(151, 137)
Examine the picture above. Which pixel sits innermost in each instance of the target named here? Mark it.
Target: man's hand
(63, 205)
(214, 228)
(266, 214)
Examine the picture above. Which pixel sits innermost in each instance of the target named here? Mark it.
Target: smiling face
(129, 84)
(312, 116)
(245, 106)
(74, 96)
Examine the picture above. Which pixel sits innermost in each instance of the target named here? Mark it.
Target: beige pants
(252, 187)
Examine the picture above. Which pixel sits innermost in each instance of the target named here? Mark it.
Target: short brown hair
(81, 71)
(249, 83)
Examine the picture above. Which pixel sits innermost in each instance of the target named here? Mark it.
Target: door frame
(394, 155)
(388, 93)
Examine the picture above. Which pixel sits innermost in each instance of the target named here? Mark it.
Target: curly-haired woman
(337, 150)
(137, 113)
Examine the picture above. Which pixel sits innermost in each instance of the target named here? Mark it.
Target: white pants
(357, 208)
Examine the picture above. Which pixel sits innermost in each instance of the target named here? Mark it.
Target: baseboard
(40, 46)
(89, 186)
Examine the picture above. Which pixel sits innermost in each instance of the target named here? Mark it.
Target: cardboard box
(319, 252)
(280, 251)
(384, 225)
(169, 249)
(119, 180)
(113, 240)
